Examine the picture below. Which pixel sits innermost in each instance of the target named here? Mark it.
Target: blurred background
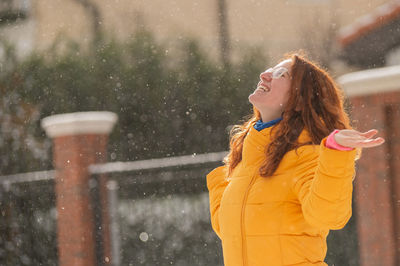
(177, 75)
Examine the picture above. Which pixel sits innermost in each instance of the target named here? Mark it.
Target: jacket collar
(256, 142)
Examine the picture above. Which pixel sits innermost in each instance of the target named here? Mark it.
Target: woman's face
(271, 93)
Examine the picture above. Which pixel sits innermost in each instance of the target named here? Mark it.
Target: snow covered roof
(370, 22)
(367, 41)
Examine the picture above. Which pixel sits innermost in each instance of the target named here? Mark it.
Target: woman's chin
(253, 99)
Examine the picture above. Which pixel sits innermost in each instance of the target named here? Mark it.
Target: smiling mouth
(263, 88)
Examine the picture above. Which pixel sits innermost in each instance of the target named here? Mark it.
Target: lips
(263, 87)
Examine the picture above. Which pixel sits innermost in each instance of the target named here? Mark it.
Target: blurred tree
(223, 30)
(23, 149)
(164, 109)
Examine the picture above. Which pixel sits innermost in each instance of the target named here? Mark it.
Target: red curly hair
(315, 103)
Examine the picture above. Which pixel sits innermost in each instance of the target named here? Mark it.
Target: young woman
(287, 179)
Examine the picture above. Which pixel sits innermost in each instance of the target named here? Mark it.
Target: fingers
(369, 143)
(369, 133)
(356, 139)
(372, 140)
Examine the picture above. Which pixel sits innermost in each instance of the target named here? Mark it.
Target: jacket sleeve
(216, 184)
(323, 183)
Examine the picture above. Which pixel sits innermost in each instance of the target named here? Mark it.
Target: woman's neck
(269, 117)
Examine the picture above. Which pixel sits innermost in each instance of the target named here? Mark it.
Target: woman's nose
(266, 76)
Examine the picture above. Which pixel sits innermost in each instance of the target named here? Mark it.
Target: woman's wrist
(332, 144)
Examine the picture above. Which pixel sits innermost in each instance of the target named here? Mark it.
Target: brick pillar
(374, 205)
(375, 98)
(79, 140)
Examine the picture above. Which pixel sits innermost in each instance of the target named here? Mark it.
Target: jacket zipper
(244, 247)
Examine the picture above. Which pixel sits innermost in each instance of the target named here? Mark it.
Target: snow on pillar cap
(79, 123)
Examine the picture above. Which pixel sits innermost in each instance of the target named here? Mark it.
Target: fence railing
(159, 213)
(28, 219)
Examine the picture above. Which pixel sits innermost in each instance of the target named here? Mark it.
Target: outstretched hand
(355, 139)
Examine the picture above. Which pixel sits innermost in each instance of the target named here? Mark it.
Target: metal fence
(159, 211)
(28, 219)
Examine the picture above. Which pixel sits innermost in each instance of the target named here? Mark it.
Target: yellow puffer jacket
(283, 219)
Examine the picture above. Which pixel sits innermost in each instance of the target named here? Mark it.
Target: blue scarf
(260, 125)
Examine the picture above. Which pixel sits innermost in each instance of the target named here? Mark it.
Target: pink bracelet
(332, 144)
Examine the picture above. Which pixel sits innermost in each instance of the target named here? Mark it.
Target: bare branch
(92, 9)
